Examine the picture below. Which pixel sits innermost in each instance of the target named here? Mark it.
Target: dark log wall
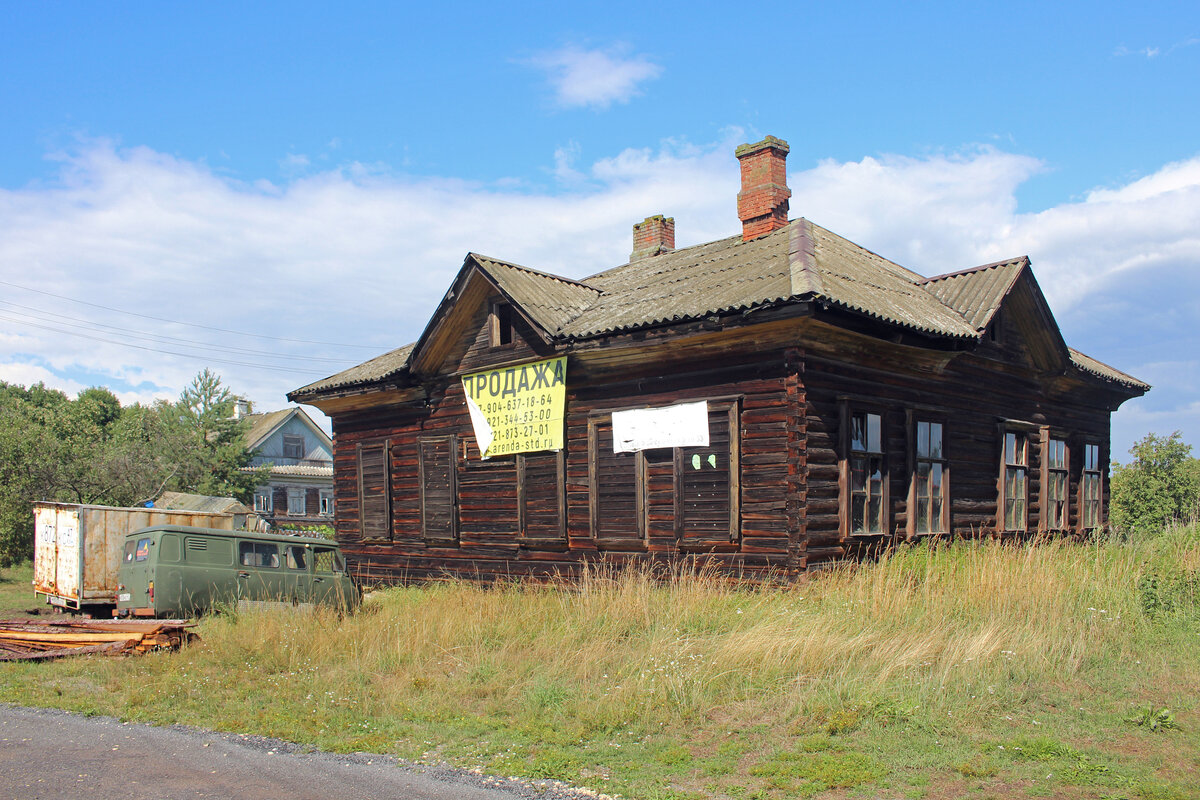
(788, 391)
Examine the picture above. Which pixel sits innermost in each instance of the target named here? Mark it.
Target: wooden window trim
(386, 444)
(729, 404)
(594, 420)
(560, 486)
(1021, 431)
(732, 408)
(914, 415)
(501, 324)
(1046, 436)
(847, 406)
(436, 540)
(1099, 472)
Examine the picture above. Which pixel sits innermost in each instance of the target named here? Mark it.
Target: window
(293, 446)
(328, 561)
(439, 490)
(865, 474)
(296, 506)
(541, 500)
(1015, 480)
(258, 554)
(690, 492)
(374, 490)
(500, 324)
(296, 557)
(1054, 514)
(1090, 488)
(262, 500)
(326, 503)
(930, 510)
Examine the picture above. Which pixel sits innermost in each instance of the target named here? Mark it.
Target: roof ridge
(802, 260)
(531, 270)
(994, 265)
(909, 273)
(651, 259)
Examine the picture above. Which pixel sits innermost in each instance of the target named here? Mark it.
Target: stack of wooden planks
(33, 639)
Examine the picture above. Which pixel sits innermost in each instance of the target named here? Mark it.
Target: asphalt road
(48, 754)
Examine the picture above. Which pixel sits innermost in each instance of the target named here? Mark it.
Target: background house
(299, 490)
(776, 401)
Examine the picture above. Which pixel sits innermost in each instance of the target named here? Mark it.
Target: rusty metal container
(77, 548)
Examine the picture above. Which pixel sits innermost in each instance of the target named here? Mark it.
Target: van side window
(258, 554)
(329, 561)
(295, 557)
(143, 550)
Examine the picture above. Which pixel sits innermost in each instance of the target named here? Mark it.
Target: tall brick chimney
(653, 236)
(763, 200)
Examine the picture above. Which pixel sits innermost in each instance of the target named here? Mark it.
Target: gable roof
(800, 261)
(262, 426)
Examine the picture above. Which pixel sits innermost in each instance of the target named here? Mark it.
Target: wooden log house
(848, 401)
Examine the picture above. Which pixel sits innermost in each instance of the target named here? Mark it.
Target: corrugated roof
(976, 293)
(182, 501)
(801, 260)
(261, 425)
(1102, 370)
(298, 469)
(550, 301)
(378, 368)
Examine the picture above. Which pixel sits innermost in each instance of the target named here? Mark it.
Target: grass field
(966, 670)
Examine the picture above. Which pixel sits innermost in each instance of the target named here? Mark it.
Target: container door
(45, 552)
(69, 556)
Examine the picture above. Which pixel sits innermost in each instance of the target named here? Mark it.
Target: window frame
(293, 446)
(560, 538)
(264, 501)
(297, 495)
(1021, 431)
(1048, 475)
(728, 405)
(386, 447)
(1095, 473)
(848, 408)
(915, 418)
(437, 539)
(325, 504)
(501, 324)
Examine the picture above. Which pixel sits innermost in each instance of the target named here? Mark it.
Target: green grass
(972, 670)
(16, 591)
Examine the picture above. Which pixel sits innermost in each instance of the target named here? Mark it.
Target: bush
(1160, 486)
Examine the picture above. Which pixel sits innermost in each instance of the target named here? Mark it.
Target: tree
(1160, 485)
(92, 450)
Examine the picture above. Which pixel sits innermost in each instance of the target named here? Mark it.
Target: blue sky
(305, 179)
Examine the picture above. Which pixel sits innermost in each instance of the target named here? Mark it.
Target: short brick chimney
(653, 236)
(763, 200)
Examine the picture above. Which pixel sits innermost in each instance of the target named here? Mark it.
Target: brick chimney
(763, 200)
(653, 236)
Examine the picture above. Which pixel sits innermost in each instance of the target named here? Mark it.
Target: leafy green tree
(92, 450)
(1160, 485)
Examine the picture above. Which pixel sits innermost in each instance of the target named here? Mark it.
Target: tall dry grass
(949, 627)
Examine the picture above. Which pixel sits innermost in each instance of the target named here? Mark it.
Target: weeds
(681, 684)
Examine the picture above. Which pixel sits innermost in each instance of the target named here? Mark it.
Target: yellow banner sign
(518, 409)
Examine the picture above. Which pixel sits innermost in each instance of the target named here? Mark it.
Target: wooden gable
(477, 326)
(1023, 330)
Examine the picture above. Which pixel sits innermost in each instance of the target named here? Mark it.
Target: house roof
(182, 501)
(264, 424)
(799, 261)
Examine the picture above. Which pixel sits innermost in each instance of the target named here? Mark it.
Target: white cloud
(356, 255)
(595, 78)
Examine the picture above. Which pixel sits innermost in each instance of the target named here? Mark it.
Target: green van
(178, 571)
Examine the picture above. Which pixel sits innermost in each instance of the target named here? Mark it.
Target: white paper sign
(683, 425)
